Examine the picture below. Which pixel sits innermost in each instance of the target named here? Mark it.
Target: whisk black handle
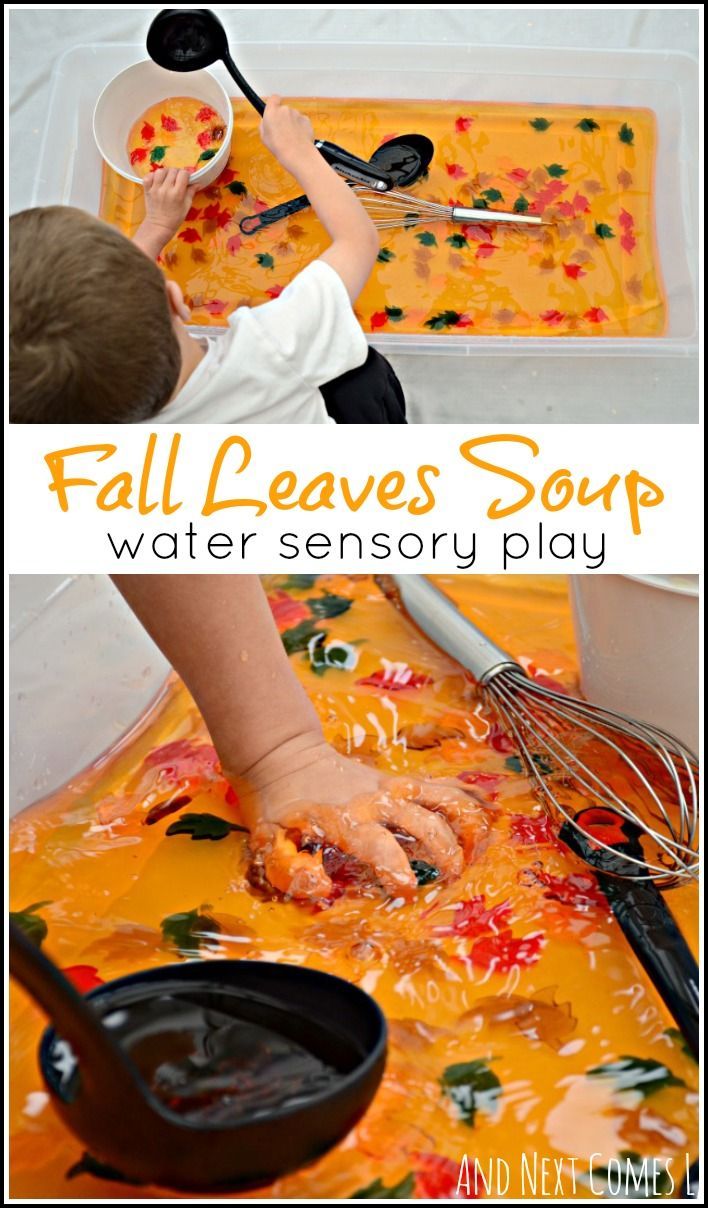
(647, 923)
(253, 223)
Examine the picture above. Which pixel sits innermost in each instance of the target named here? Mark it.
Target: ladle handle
(103, 1063)
(253, 223)
(250, 94)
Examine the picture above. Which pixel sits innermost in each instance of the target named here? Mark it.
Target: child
(98, 335)
(219, 635)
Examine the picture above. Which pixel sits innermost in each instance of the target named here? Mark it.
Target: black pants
(371, 394)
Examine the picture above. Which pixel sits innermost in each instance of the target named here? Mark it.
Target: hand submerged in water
(168, 196)
(306, 794)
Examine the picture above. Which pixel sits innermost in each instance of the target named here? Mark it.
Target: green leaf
(157, 155)
(457, 241)
(265, 260)
(446, 318)
(238, 188)
(328, 605)
(492, 195)
(540, 123)
(641, 1074)
(379, 1191)
(472, 1087)
(299, 582)
(425, 874)
(385, 255)
(515, 764)
(299, 637)
(188, 930)
(556, 170)
(521, 205)
(203, 826)
(587, 125)
(603, 231)
(395, 313)
(480, 203)
(626, 134)
(206, 155)
(427, 238)
(33, 925)
(679, 1039)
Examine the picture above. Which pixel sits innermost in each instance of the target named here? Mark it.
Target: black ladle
(405, 158)
(101, 1097)
(189, 39)
(643, 915)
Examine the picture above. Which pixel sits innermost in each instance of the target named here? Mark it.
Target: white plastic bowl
(134, 90)
(637, 638)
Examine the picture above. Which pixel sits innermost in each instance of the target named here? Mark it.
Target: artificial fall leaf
(641, 1074)
(203, 826)
(471, 1086)
(540, 123)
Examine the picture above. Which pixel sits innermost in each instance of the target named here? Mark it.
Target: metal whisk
(571, 748)
(567, 745)
(398, 209)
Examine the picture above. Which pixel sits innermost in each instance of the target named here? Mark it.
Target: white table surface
(439, 390)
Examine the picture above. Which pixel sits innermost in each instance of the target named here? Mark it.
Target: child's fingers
(300, 874)
(431, 831)
(376, 847)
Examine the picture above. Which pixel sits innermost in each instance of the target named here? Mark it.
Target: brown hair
(91, 335)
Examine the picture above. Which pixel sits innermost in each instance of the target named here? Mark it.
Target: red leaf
(628, 242)
(287, 612)
(185, 760)
(574, 271)
(215, 307)
(233, 244)
(552, 317)
(437, 1178)
(502, 953)
(464, 320)
(456, 171)
(211, 211)
(378, 319)
(533, 832)
(226, 177)
(192, 214)
(394, 679)
(566, 209)
(190, 235)
(462, 124)
(138, 155)
(485, 781)
(205, 114)
(581, 204)
(147, 133)
(204, 139)
(518, 175)
(275, 291)
(472, 918)
(499, 740)
(485, 250)
(476, 232)
(626, 221)
(595, 315)
(83, 977)
(259, 206)
(577, 889)
(169, 123)
(231, 797)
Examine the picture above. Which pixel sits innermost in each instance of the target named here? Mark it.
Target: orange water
(179, 132)
(579, 999)
(595, 272)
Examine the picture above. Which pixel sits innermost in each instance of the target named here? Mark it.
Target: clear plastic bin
(82, 673)
(69, 167)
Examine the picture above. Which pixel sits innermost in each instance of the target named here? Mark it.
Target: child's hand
(326, 798)
(168, 196)
(286, 133)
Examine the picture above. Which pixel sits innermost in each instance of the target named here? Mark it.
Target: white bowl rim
(659, 582)
(195, 177)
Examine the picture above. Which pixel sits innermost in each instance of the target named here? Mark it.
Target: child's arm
(355, 243)
(168, 196)
(218, 633)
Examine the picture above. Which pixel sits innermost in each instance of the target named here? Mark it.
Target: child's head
(93, 323)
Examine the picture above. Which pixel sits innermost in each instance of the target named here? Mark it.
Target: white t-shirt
(267, 368)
